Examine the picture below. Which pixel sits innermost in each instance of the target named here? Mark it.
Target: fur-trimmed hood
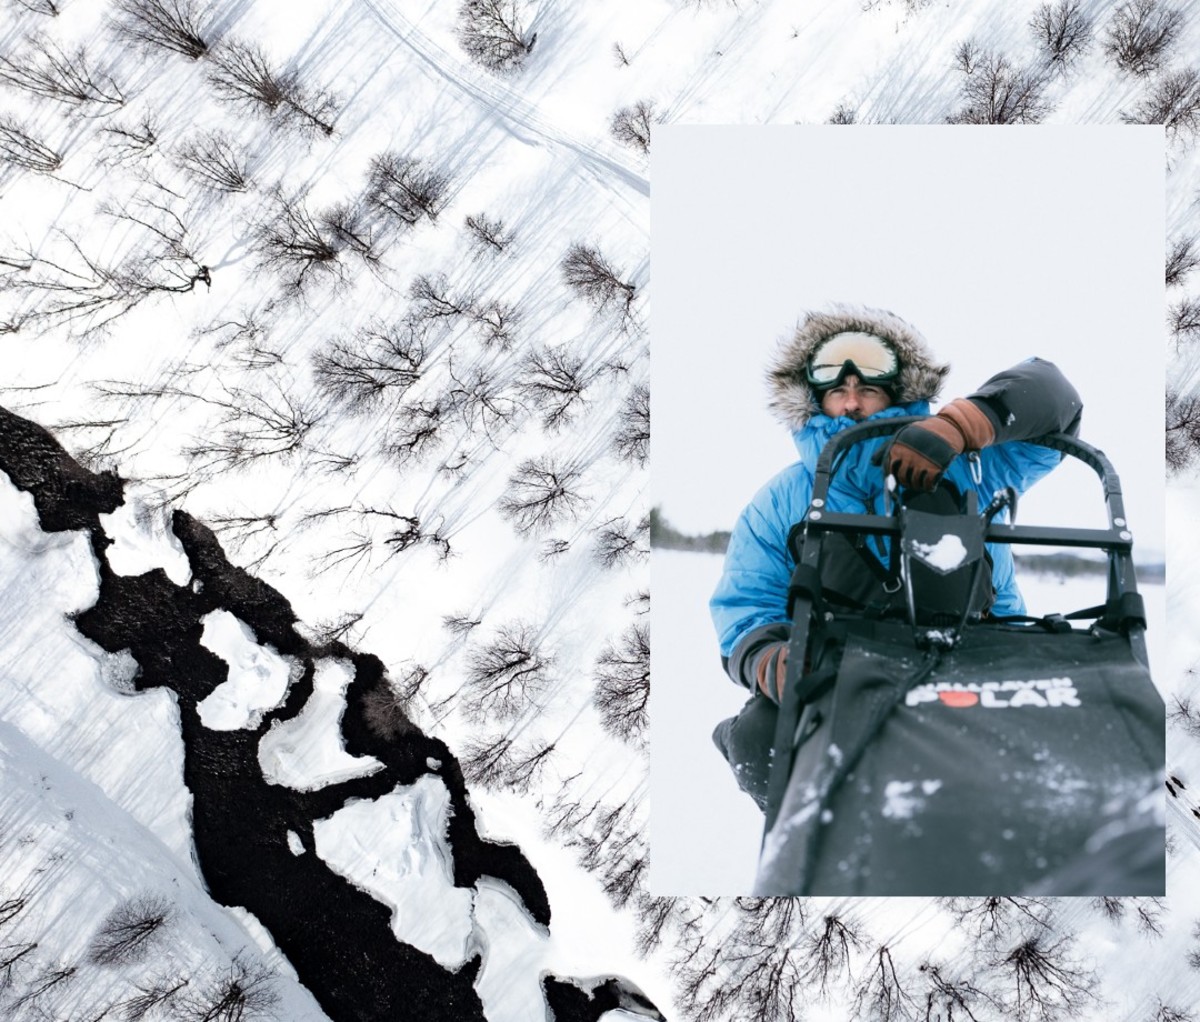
(792, 399)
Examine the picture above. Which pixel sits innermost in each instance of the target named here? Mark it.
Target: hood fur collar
(791, 397)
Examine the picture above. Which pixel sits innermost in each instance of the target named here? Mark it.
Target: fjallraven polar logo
(1041, 693)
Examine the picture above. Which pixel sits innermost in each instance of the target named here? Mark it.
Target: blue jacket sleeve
(749, 606)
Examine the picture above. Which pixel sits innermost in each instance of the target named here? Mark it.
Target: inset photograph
(908, 511)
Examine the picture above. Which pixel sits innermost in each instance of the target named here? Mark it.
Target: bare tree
(130, 143)
(385, 712)
(540, 494)
(19, 148)
(947, 997)
(405, 189)
(660, 919)
(47, 7)
(213, 159)
(1045, 980)
(1182, 713)
(45, 70)
(1062, 31)
(1169, 1013)
(996, 91)
(81, 290)
(828, 951)
(242, 73)
(1183, 437)
(1141, 34)
(991, 918)
(1148, 912)
(882, 995)
(293, 241)
(246, 993)
(379, 362)
(617, 542)
(173, 25)
(553, 381)
(754, 975)
(1172, 101)
(148, 998)
(12, 956)
(491, 34)
(622, 693)
(499, 762)
(251, 428)
(843, 115)
(631, 442)
(1181, 259)
(130, 931)
(1184, 320)
(417, 430)
(505, 673)
(594, 279)
(631, 125)
(489, 232)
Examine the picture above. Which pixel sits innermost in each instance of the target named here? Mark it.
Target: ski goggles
(868, 357)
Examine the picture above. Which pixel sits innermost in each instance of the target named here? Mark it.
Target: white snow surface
(306, 752)
(258, 676)
(945, 555)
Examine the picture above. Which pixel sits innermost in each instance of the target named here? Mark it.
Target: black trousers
(747, 743)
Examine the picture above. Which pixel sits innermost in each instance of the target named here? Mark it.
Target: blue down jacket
(749, 606)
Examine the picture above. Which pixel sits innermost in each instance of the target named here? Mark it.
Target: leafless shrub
(245, 994)
(488, 232)
(149, 998)
(1062, 31)
(242, 73)
(843, 115)
(622, 692)
(1046, 982)
(19, 148)
(1181, 260)
(130, 930)
(213, 159)
(993, 917)
(966, 57)
(1111, 908)
(631, 125)
(491, 34)
(1141, 34)
(553, 380)
(1174, 102)
(1182, 713)
(172, 25)
(620, 55)
(417, 430)
(631, 442)
(553, 548)
(594, 279)
(45, 70)
(498, 762)
(505, 673)
(404, 188)
(460, 624)
(130, 143)
(1169, 1013)
(995, 91)
(378, 362)
(1148, 912)
(540, 494)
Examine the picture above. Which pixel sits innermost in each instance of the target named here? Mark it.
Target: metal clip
(976, 467)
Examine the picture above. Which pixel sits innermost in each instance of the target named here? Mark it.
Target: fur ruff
(792, 398)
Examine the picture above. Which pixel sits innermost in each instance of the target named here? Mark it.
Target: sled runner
(924, 747)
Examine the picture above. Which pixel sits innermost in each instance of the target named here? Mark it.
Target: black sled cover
(1020, 762)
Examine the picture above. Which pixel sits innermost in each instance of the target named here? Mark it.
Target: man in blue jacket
(844, 366)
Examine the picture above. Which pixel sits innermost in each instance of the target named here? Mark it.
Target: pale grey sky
(997, 244)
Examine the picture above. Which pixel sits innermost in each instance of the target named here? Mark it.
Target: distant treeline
(665, 536)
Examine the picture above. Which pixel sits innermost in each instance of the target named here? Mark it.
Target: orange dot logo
(958, 698)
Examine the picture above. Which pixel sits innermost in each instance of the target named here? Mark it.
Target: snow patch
(306, 752)
(904, 799)
(294, 843)
(258, 676)
(395, 849)
(142, 540)
(944, 555)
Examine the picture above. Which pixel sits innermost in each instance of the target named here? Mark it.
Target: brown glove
(770, 670)
(922, 451)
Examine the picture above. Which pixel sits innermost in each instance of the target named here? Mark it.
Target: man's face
(854, 399)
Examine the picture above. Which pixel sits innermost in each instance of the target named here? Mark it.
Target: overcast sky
(997, 244)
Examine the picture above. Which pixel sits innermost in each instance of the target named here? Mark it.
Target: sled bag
(1019, 762)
